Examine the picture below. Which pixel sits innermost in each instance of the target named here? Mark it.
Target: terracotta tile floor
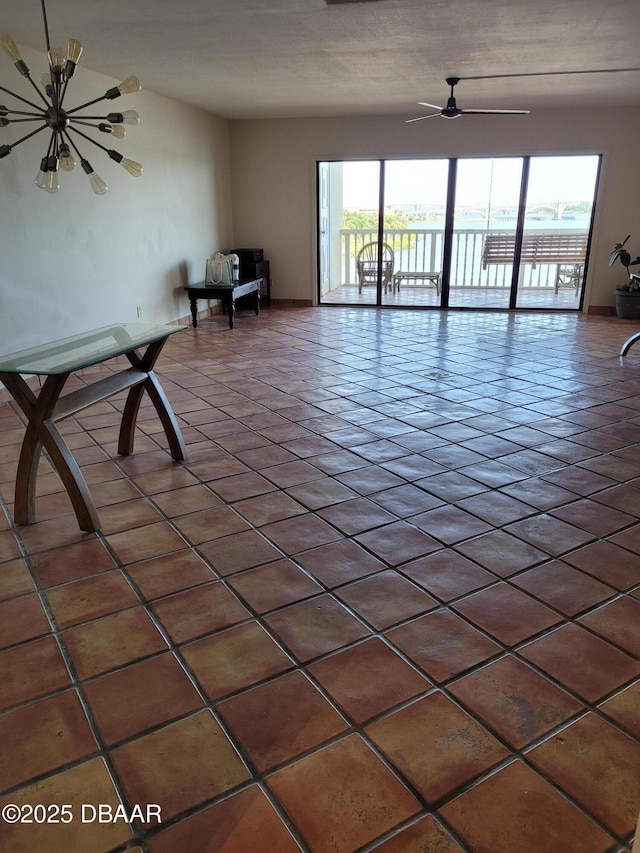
(390, 603)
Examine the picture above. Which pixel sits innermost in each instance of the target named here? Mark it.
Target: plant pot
(628, 304)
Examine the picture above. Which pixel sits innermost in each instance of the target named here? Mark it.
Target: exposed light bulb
(67, 163)
(74, 50)
(47, 84)
(116, 130)
(97, 184)
(51, 182)
(127, 117)
(10, 48)
(57, 58)
(129, 86)
(132, 167)
(130, 117)
(42, 174)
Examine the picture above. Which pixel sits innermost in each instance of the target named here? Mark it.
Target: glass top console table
(57, 361)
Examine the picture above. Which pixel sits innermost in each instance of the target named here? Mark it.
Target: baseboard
(295, 303)
(602, 310)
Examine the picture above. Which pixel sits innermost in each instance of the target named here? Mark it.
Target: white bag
(219, 270)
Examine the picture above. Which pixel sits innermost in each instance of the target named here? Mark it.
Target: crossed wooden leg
(43, 410)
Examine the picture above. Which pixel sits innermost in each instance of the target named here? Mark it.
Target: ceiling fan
(453, 111)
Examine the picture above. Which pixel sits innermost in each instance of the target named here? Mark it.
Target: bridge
(556, 209)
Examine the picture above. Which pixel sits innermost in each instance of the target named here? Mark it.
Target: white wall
(273, 177)
(74, 260)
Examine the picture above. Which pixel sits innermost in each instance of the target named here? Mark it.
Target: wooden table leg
(159, 399)
(193, 302)
(41, 433)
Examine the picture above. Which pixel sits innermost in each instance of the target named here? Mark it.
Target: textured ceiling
(281, 58)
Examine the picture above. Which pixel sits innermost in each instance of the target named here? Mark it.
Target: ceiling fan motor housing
(451, 110)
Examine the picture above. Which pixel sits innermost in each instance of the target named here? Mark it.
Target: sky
(425, 181)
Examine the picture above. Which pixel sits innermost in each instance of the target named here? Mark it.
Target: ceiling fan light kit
(453, 111)
(62, 122)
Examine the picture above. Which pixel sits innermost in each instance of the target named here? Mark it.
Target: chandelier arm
(46, 25)
(24, 138)
(50, 146)
(72, 144)
(23, 113)
(35, 86)
(64, 92)
(20, 98)
(84, 119)
(88, 138)
(87, 123)
(88, 104)
(55, 95)
(17, 120)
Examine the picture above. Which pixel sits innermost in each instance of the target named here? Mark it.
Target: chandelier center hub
(56, 118)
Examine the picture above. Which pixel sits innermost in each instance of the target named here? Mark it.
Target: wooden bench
(568, 251)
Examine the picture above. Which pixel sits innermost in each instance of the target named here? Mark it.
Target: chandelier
(64, 123)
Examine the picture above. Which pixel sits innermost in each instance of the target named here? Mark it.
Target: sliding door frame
(449, 231)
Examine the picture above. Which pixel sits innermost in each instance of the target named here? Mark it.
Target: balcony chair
(367, 265)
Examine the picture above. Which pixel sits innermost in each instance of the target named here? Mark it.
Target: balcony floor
(411, 295)
(390, 603)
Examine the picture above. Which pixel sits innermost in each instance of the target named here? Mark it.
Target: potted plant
(627, 294)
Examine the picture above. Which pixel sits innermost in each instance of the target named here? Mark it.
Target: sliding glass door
(559, 208)
(415, 200)
(486, 207)
(349, 221)
(489, 232)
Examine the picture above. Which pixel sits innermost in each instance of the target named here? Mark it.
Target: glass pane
(69, 354)
(486, 213)
(415, 201)
(558, 217)
(348, 205)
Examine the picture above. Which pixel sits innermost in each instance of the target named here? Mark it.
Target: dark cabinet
(253, 265)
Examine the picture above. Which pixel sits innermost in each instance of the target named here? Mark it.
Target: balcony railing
(421, 251)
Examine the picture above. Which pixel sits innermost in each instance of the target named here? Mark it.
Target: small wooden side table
(227, 293)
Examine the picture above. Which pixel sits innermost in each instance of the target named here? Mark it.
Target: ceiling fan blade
(452, 110)
(421, 118)
(496, 112)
